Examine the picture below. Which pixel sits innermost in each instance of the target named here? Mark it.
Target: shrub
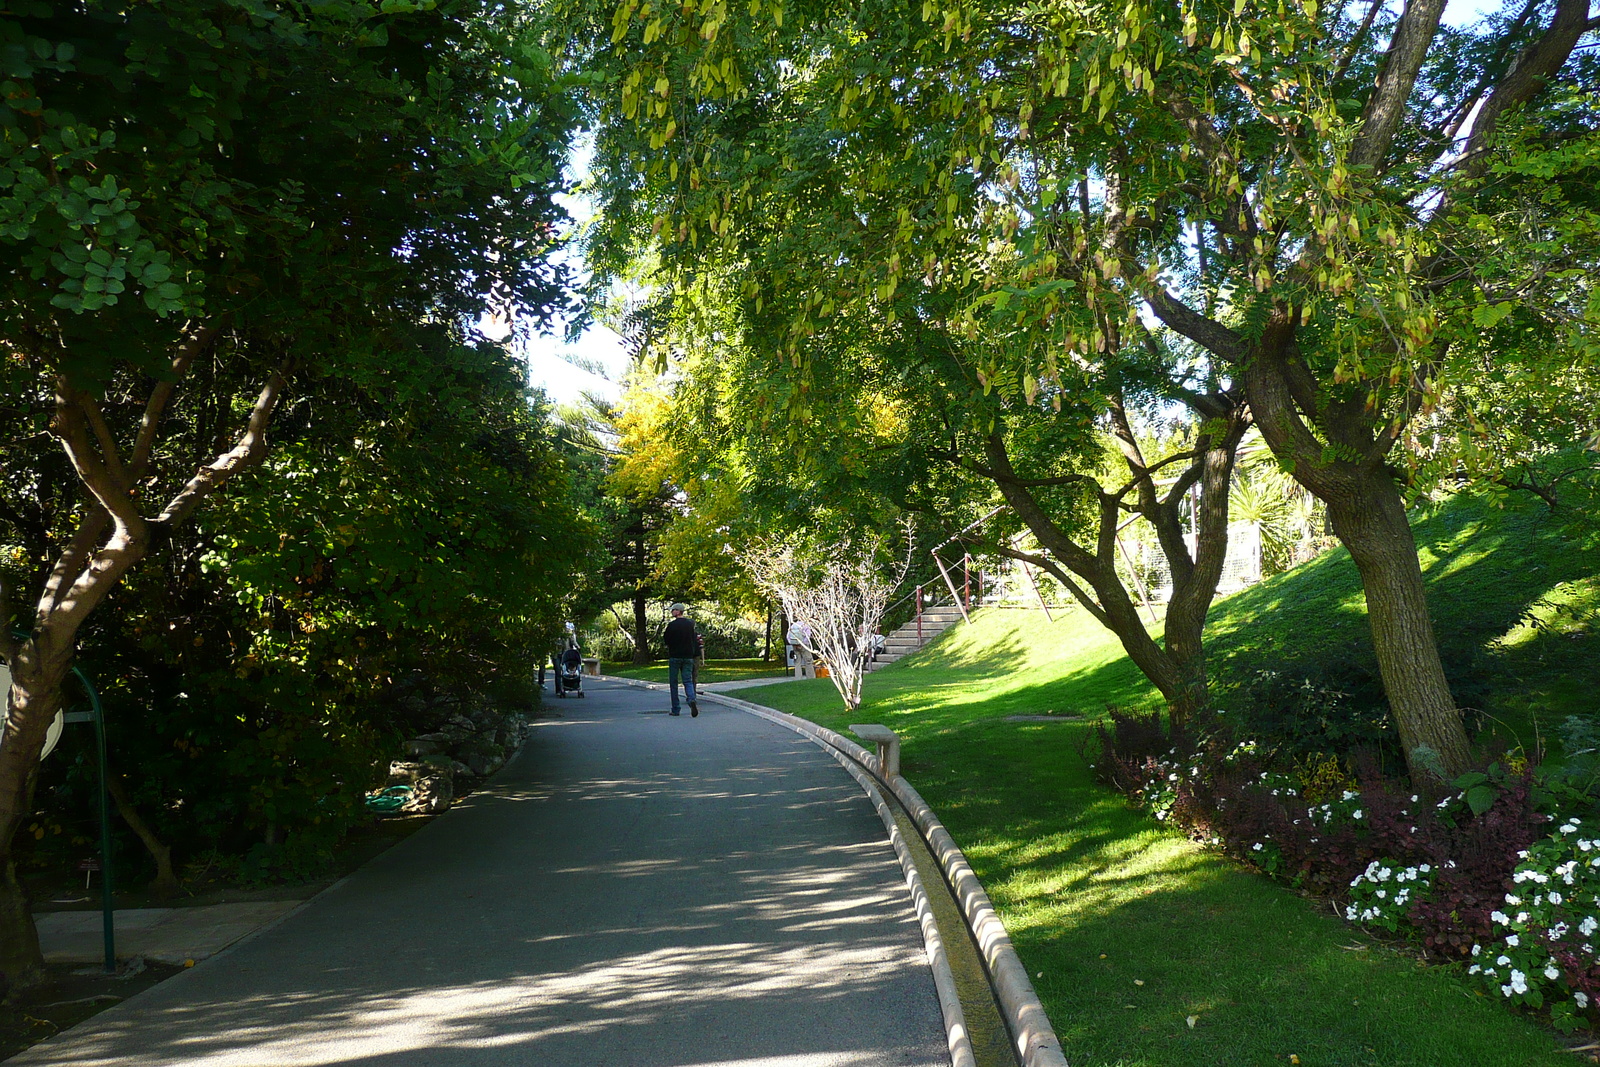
(1321, 709)
(1542, 950)
(1287, 819)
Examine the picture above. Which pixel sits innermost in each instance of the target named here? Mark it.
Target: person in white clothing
(804, 659)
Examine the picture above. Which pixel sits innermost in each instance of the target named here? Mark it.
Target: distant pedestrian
(683, 647)
(805, 665)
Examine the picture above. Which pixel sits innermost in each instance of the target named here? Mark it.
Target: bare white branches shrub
(839, 590)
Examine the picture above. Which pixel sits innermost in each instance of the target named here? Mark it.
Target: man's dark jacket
(680, 639)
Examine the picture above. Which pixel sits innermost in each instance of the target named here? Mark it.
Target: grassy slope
(1096, 895)
(1514, 604)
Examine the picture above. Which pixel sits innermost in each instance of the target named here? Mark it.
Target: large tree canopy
(251, 199)
(1326, 207)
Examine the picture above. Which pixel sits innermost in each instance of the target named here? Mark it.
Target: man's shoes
(694, 709)
(674, 711)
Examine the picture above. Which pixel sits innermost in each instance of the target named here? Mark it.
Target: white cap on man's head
(679, 607)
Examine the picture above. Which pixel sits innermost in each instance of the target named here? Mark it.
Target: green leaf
(1481, 798)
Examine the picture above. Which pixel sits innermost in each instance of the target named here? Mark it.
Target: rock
(460, 768)
(421, 746)
(405, 772)
(430, 795)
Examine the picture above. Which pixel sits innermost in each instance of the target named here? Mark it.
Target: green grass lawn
(1515, 605)
(716, 670)
(1098, 897)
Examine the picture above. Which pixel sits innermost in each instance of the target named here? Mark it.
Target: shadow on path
(633, 890)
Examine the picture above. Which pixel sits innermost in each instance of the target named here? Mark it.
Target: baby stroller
(569, 673)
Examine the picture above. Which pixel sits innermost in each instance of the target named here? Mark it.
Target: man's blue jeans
(677, 666)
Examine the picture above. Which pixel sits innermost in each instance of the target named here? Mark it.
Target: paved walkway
(634, 890)
(165, 935)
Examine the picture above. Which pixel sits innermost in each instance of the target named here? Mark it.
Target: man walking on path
(683, 648)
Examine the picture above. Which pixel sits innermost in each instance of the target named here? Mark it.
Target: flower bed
(1475, 874)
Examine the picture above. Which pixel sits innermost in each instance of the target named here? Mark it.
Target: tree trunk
(1367, 514)
(641, 629)
(165, 883)
(35, 698)
(1374, 527)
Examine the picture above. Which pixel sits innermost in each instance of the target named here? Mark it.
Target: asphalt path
(633, 890)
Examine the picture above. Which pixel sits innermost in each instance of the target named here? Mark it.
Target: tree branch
(1205, 332)
(68, 565)
(251, 448)
(70, 424)
(1357, 39)
(161, 395)
(1045, 563)
(110, 456)
(1408, 47)
(8, 643)
(1529, 73)
(1010, 478)
(1491, 70)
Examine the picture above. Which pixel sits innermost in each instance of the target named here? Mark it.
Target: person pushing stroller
(683, 648)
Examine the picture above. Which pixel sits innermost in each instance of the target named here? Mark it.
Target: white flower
(1382, 893)
(1558, 931)
(1550, 972)
(1413, 800)
(1474, 969)
(1511, 939)
(1350, 913)
(1513, 900)
(1502, 961)
(1581, 999)
(1349, 795)
(1589, 925)
(1425, 868)
(1522, 917)
(1476, 949)
(1499, 917)
(1555, 898)
(1356, 814)
(1519, 982)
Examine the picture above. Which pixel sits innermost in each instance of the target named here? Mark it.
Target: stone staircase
(903, 642)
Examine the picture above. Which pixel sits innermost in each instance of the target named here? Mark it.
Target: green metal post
(107, 885)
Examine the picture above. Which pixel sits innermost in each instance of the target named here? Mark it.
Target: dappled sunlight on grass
(1132, 930)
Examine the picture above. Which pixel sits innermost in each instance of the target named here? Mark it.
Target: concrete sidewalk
(164, 935)
(634, 890)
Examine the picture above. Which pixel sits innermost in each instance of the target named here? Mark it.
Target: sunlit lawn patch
(1099, 898)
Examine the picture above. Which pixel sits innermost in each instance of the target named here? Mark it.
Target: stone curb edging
(955, 1020)
(1034, 1038)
